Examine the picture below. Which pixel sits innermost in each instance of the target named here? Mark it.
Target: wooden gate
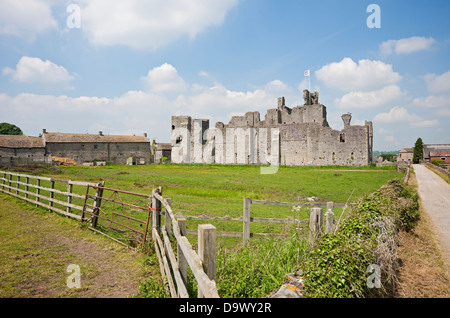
(120, 215)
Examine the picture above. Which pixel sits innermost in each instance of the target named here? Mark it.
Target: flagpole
(309, 80)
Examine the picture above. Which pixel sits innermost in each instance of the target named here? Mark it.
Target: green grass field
(218, 190)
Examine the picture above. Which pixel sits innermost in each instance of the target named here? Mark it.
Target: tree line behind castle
(294, 136)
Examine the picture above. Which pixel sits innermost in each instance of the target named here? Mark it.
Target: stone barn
(19, 149)
(89, 147)
(287, 136)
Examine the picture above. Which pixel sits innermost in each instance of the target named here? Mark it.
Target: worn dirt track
(434, 194)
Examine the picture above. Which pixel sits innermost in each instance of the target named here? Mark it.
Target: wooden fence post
(329, 218)
(38, 191)
(52, 194)
(27, 181)
(9, 183)
(4, 181)
(315, 224)
(18, 185)
(97, 204)
(182, 262)
(167, 220)
(156, 206)
(69, 197)
(246, 220)
(207, 250)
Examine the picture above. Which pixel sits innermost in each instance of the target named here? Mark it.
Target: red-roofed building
(444, 155)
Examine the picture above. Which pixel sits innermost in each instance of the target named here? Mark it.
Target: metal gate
(120, 215)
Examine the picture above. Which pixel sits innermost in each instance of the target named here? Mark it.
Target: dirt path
(38, 246)
(435, 198)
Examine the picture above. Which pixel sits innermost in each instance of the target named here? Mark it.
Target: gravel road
(434, 194)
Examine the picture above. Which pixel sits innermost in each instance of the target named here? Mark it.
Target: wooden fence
(41, 191)
(174, 268)
(315, 223)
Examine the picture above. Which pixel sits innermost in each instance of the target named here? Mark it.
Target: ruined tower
(287, 136)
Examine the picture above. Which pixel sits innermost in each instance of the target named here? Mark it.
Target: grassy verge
(37, 247)
(365, 243)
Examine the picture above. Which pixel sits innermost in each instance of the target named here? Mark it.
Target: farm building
(163, 150)
(405, 155)
(79, 147)
(443, 155)
(19, 149)
(436, 151)
(89, 147)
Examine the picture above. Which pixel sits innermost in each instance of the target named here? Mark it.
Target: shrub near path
(37, 247)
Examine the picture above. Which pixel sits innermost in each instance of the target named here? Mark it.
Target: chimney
(44, 131)
(346, 118)
(281, 102)
(145, 135)
(100, 133)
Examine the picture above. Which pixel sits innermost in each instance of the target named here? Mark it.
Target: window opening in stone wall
(342, 137)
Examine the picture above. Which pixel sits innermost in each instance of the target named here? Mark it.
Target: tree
(9, 129)
(418, 151)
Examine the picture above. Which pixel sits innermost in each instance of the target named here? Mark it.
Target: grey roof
(20, 141)
(95, 138)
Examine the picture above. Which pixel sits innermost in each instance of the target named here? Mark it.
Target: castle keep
(287, 136)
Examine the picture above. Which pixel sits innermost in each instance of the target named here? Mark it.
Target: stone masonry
(287, 136)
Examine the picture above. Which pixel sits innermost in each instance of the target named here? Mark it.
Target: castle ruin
(295, 136)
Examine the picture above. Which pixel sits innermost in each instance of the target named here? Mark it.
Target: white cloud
(366, 74)
(33, 70)
(164, 79)
(400, 114)
(371, 99)
(444, 112)
(406, 46)
(438, 83)
(152, 23)
(140, 111)
(425, 123)
(25, 18)
(432, 101)
(396, 114)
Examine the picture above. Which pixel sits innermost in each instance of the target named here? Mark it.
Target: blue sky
(128, 66)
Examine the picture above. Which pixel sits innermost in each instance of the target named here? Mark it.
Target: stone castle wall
(287, 136)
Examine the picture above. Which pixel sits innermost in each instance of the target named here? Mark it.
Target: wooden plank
(80, 183)
(246, 222)
(181, 259)
(252, 219)
(44, 205)
(207, 251)
(181, 288)
(204, 283)
(302, 204)
(40, 196)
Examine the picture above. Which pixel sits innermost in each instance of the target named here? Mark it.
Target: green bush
(337, 265)
(437, 162)
(259, 267)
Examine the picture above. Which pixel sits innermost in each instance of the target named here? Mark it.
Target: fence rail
(246, 218)
(38, 197)
(202, 265)
(173, 265)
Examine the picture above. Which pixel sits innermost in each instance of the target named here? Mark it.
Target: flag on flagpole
(306, 73)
